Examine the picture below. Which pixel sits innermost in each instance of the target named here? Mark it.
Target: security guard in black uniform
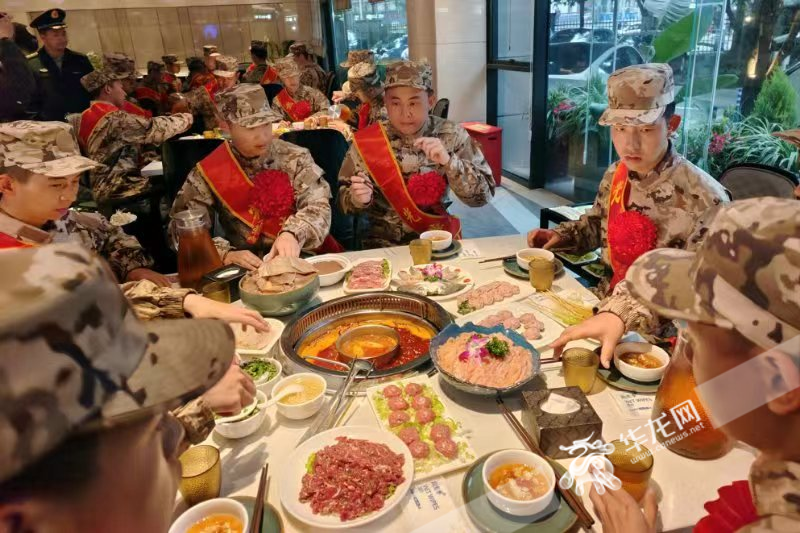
(58, 70)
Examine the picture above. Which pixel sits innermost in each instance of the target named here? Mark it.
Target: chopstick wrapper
(559, 417)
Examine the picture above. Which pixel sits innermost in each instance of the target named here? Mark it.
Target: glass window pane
(380, 26)
(514, 37)
(513, 115)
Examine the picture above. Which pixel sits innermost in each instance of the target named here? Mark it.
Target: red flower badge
(630, 234)
(272, 197)
(302, 109)
(427, 189)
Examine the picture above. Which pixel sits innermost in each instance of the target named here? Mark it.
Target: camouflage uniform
(677, 196)
(743, 278)
(117, 142)
(256, 71)
(287, 68)
(354, 57)
(311, 75)
(174, 83)
(76, 359)
(246, 106)
(468, 174)
(364, 77)
(200, 103)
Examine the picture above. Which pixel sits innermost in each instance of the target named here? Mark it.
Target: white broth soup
(519, 481)
(312, 388)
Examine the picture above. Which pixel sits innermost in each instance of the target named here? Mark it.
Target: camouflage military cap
(46, 148)
(790, 136)
(171, 59)
(99, 78)
(743, 277)
(299, 48)
(74, 357)
(363, 76)
(226, 66)
(246, 105)
(120, 63)
(638, 95)
(287, 67)
(354, 57)
(210, 50)
(416, 74)
(154, 65)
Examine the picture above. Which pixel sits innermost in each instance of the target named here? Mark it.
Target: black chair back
(753, 180)
(179, 157)
(272, 90)
(328, 148)
(441, 109)
(330, 84)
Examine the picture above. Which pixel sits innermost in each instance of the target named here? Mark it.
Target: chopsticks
(573, 501)
(258, 509)
(497, 259)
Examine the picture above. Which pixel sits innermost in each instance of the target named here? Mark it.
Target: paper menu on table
(430, 509)
(634, 406)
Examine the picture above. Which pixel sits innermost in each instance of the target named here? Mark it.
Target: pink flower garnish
(476, 349)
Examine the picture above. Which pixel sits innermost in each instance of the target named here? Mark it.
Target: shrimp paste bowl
(454, 330)
(510, 505)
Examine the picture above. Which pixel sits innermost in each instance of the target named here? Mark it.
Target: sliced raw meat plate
(392, 391)
(421, 402)
(409, 435)
(419, 450)
(398, 404)
(511, 323)
(440, 431)
(447, 447)
(397, 418)
(412, 389)
(504, 314)
(532, 333)
(424, 416)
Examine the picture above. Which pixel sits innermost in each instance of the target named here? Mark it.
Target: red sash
(91, 118)
(133, 109)
(270, 75)
(363, 115)
(204, 79)
(376, 152)
(7, 242)
(288, 103)
(173, 81)
(146, 93)
(232, 186)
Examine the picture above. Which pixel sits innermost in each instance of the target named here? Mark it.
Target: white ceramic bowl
(634, 372)
(326, 280)
(300, 411)
(518, 507)
(263, 384)
(442, 244)
(524, 256)
(208, 508)
(297, 126)
(248, 426)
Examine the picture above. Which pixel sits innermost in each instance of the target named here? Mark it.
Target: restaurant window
(737, 78)
(379, 25)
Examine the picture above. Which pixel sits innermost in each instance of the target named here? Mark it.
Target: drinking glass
(633, 465)
(580, 368)
(217, 290)
(542, 272)
(201, 475)
(421, 250)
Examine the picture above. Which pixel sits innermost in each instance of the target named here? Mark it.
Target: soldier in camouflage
(311, 74)
(200, 101)
(259, 71)
(354, 57)
(738, 295)
(365, 83)
(297, 91)
(86, 390)
(679, 198)
(172, 67)
(116, 138)
(249, 120)
(420, 143)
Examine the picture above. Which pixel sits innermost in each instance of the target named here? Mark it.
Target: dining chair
(753, 180)
(442, 108)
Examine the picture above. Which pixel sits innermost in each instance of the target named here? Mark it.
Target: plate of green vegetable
(579, 259)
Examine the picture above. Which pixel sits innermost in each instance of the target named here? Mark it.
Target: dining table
(683, 485)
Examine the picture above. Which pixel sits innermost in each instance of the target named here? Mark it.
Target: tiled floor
(513, 210)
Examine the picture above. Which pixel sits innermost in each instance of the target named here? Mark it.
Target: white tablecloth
(684, 485)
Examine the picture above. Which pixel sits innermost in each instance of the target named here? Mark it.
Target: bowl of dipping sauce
(374, 343)
(518, 482)
(440, 239)
(248, 425)
(640, 361)
(526, 255)
(331, 268)
(213, 515)
(304, 404)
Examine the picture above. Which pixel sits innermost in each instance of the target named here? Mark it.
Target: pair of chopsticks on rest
(258, 509)
(584, 518)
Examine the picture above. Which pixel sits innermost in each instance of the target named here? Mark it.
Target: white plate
(386, 282)
(462, 460)
(292, 475)
(463, 277)
(590, 257)
(525, 290)
(276, 328)
(552, 329)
